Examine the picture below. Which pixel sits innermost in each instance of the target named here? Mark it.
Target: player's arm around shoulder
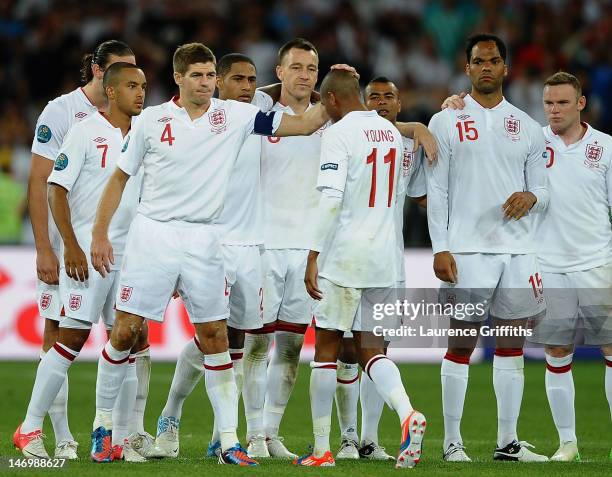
(303, 124)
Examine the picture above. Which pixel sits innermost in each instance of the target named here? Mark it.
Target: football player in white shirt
(575, 250)
(350, 258)
(483, 196)
(52, 125)
(85, 162)
(241, 236)
(188, 147)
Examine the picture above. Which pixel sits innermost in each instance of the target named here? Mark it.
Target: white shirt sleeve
(327, 215)
(609, 186)
(417, 185)
(262, 100)
(70, 159)
(437, 184)
(536, 175)
(134, 149)
(51, 127)
(333, 161)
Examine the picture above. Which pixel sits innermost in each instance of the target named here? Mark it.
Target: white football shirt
(485, 155)
(361, 157)
(575, 234)
(289, 170)
(187, 164)
(84, 164)
(412, 183)
(51, 127)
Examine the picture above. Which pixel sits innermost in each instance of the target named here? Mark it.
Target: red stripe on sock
(325, 366)
(559, 369)
(198, 344)
(292, 328)
(455, 358)
(371, 362)
(112, 361)
(347, 381)
(608, 363)
(61, 351)
(235, 356)
(508, 352)
(221, 367)
(269, 328)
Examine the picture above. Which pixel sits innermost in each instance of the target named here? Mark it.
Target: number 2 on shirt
(389, 158)
(466, 131)
(167, 135)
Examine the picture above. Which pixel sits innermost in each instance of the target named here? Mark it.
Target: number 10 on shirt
(389, 158)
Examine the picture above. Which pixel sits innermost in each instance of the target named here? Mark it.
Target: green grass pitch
(423, 385)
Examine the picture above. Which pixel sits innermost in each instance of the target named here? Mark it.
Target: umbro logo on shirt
(463, 117)
(165, 119)
(80, 115)
(99, 139)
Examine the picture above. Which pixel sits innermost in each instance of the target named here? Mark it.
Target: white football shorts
(509, 287)
(160, 257)
(244, 272)
(576, 301)
(48, 300)
(88, 300)
(285, 296)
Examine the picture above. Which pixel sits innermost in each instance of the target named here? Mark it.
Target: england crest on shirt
(217, 121)
(593, 153)
(512, 126)
(45, 300)
(75, 302)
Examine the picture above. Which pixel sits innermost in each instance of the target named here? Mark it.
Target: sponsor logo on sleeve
(61, 162)
(43, 134)
(75, 302)
(125, 144)
(329, 165)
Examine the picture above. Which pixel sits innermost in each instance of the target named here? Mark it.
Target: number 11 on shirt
(389, 158)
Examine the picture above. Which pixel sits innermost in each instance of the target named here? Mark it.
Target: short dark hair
(562, 77)
(299, 43)
(191, 53)
(341, 83)
(474, 39)
(101, 56)
(226, 62)
(380, 79)
(113, 71)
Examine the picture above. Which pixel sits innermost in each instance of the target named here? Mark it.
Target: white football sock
(143, 374)
(255, 366)
(371, 410)
(223, 395)
(124, 406)
(608, 382)
(454, 376)
(560, 391)
(236, 355)
(322, 390)
(386, 376)
(58, 412)
(187, 374)
(508, 383)
(282, 373)
(50, 377)
(347, 396)
(112, 366)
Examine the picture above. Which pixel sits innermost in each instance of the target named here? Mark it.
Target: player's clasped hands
(102, 255)
(75, 262)
(518, 204)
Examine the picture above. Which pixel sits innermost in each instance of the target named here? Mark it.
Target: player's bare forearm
(60, 209)
(109, 202)
(37, 201)
(302, 124)
(421, 136)
(272, 90)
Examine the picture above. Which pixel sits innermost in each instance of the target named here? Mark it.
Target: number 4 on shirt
(167, 135)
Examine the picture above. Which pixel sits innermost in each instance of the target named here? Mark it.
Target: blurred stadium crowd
(416, 43)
